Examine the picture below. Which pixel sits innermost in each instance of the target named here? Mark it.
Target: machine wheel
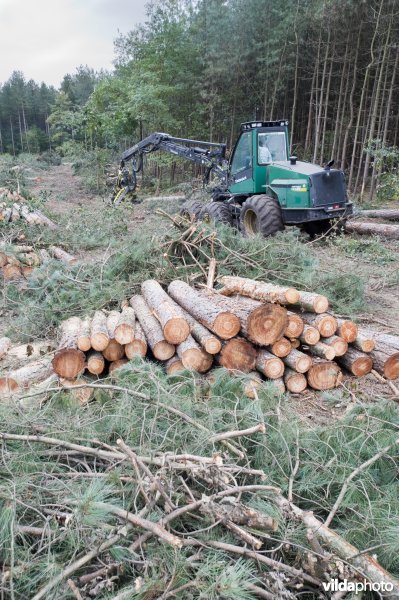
(261, 214)
(217, 212)
(191, 210)
(316, 228)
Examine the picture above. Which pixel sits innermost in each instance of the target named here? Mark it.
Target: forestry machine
(260, 189)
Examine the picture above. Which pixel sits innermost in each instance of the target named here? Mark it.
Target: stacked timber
(13, 206)
(18, 261)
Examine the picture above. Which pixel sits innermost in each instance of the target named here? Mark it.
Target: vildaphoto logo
(335, 585)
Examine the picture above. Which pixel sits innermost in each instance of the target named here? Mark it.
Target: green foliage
(386, 159)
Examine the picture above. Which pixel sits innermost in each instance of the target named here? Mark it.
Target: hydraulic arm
(207, 154)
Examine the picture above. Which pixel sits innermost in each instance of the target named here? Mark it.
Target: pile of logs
(18, 261)
(267, 331)
(13, 206)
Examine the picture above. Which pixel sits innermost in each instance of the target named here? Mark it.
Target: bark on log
(95, 362)
(117, 364)
(238, 355)
(269, 364)
(174, 365)
(310, 335)
(325, 323)
(138, 347)
(364, 342)
(294, 382)
(387, 339)
(363, 228)
(62, 255)
(225, 324)
(298, 361)
(114, 351)
(338, 343)
(314, 303)
(124, 330)
(347, 330)
(280, 348)
(31, 351)
(386, 363)
(279, 384)
(25, 376)
(322, 351)
(295, 325)
(259, 290)
(161, 349)
(202, 335)
(83, 341)
(253, 383)
(69, 361)
(193, 357)
(5, 345)
(99, 337)
(174, 326)
(324, 375)
(356, 362)
(382, 213)
(112, 321)
(261, 323)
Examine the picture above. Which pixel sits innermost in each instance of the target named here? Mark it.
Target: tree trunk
(161, 349)
(99, 336)
(25, 376)
(193, 357)
(386, 363)
(294, 382)
(114, 351)
(322, 351)
(338, 343)
(95, 362)
(298, 361)
(295, 325)
(202, 335)
(347, 330)
(174, 365)
(138, 347)
(262, 324)
(61, 255)
(174, 326)
(364, 342)
(387, 231)
(225, 324)
(325, 323)
(280, 348)
(83, 341)
(258, 290)
(238, 355)
(314, 303)
(356, 362)
(391, 214)
(269, 364)
(279, 384)
(69, 361)
(310, 335)
(252, 385)
(124, 330)
(324, 375)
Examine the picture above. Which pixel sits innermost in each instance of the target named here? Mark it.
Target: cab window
(271, 147)
(242, 159)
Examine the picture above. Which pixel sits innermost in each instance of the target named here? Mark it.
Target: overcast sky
(45, 39)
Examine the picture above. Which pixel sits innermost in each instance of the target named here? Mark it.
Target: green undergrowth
(35, 475)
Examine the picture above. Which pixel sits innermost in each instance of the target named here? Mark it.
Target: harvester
(260, 190)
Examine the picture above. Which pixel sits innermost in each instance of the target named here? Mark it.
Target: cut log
(95, 362)
(252, 384)
(30, 351)
(114, 351)
(386, 363)
(82, 395)
(298, 361)
(279, 384)
(62, 255)
(225, 324)
(314, 303)
(193, 357)
(138, 347)
(338, 343)
(117, 364)
(69, 361)
(322, 351)
(25, 376)
(3, 259)
(280, 348)
(5, 345)
(295, 344)
(124, 330)
(294, 382)
(99, 337)
(238, 355)
(310, 335)
(174, 365)
(356, 362)
(174, 326)
(269, 365)
(347, 330)
(364, 342)
(259, 290)
(325, 323)
(295, 325)
(324, 375)
(388, 340)
(363, 228)
(261, 323)
(202, 335)
(12, 272)
(382, 213)
(161, 349)
(112, 321)
(83, 341)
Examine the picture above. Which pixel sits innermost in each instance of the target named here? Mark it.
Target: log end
(292, 296)
(324, 375)
(124, 334)
(8, 386)
(117, 364)
(348, 330)
(267, 324)
(238, 355)
(196, 359)
(391, 367)
(176, 330)
(136, 348)
(68, 363)
(99, 341)
(212, 345)
(163, 350)
(320, 304)
(226, 325)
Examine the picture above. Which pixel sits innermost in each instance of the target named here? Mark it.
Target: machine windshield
(271, 147)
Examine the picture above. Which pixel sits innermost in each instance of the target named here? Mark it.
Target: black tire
(191, 210)
(317, 228)
(261, 215)
(217, 212)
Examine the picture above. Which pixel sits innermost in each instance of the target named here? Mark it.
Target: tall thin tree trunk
(321, 96)
(310, 111)
(351, 102)
(12, 137)
(326, 111)
(341, 101)
(294, 101)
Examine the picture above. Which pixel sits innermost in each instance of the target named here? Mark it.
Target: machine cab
(259, 144)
